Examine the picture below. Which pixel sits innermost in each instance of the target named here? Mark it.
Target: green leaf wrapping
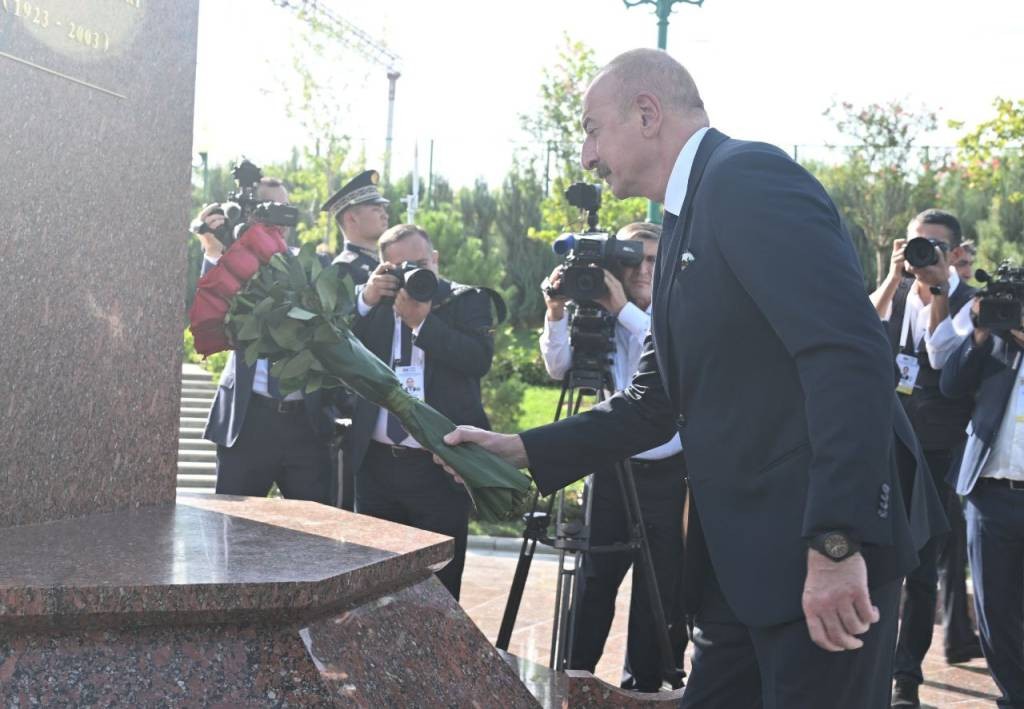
(300, 323)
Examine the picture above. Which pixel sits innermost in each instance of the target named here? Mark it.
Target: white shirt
(631, 329)
(679, 180)
(1007, 457)
(262, 373)
(948, 334)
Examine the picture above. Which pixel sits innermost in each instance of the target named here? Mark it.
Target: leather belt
(279, 406)
(1016, 485)
(402, 451)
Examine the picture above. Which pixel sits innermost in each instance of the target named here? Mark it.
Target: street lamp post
(662, 8)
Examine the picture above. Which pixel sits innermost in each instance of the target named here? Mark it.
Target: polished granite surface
(207, 559)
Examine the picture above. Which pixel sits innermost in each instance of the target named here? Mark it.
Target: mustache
(603, 170)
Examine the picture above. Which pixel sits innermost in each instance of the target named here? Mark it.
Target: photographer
(923, 302)
(263, 437)
(438, 337)
(991, 476)
(660, 482)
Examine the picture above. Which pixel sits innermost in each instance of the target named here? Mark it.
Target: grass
(539, 404)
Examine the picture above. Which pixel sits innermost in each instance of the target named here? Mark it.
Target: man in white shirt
(660, 481)
(991, 476)
(927, 315)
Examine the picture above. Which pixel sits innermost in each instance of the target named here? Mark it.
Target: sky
(767, 70)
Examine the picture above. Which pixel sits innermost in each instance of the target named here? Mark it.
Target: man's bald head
(654, 72)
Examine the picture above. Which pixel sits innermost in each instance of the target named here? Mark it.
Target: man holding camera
(360, 211)
(439, 340)
(770, 363)
(923, 303)
(660, 475)
(262, 436)
(986, 368)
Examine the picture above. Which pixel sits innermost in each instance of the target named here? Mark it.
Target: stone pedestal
(231, 601)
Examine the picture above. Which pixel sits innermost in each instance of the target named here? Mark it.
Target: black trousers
(661, 489)
(411, 489)
(778, 667)
(277, 448)
(915, 635)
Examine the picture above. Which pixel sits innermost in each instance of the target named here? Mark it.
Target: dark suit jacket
(988, 372)
(458, 342)
(769, 360)
(227, 415)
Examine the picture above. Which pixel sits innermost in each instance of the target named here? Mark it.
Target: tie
(397, 432)
(668, 224)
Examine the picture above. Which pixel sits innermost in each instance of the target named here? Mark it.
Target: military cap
(361, 189)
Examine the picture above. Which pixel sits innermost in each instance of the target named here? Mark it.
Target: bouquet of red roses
(265, 302)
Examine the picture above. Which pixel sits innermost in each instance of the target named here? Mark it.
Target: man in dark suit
(926, 315)
(360, 211)
(262, 436)
(440, 349)
(809, 496)
(991, 477)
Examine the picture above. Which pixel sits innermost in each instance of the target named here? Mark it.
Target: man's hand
(381, 284)
(412, 311)
(554, 303)
(836, 601)
(980, 334)
(213, 217)
(898, 261)
(615, 299)
(507, 446)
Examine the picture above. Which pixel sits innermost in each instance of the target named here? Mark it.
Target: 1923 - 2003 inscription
(38, 14)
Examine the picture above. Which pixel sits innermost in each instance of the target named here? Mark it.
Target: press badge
(411, 379)
(909, 368)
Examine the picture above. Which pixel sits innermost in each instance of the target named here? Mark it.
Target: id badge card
(411, 379)
(909, 368)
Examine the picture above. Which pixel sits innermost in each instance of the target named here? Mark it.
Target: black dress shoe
(964, 654)
(904, 694)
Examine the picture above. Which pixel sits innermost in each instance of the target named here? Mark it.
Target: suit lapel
(669, 252)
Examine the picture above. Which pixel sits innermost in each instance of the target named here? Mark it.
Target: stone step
(198, 412)
(202, 402)
(196, 390)
(192, 421)
(205, 467)
(197, 490)
(196, 444)
(189, 432)
(197, 455)
(200, 377)
(208, 482)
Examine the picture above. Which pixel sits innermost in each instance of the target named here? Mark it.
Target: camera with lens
(420, 283)
(587, 254)
(243, 206)
(1000, 306)
(920, 251)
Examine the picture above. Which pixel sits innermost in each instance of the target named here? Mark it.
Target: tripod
(572, 539)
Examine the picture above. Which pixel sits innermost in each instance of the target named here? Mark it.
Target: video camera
(243, 206)
(1001, 299)
(587, 254)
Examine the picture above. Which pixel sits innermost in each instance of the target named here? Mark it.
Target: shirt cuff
(634, 319)
(362, 307)
(213, 259)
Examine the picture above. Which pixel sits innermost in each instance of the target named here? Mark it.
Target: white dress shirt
(631, 329)
(948, 334)
(418, 359)
(679, 180)
(1007, 457)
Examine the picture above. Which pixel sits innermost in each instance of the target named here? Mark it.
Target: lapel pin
(685, 260)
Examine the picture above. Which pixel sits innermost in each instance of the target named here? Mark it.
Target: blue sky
(767, 68)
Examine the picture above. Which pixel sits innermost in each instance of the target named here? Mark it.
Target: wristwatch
(835, 545)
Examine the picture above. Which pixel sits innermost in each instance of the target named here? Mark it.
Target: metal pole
(430, 176)
(392, 79)
(204, 156)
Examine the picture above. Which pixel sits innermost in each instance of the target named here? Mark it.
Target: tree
(875, 187)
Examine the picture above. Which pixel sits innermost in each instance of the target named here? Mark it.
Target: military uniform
(357, 262)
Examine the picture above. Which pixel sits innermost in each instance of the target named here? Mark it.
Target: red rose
(210, 338)
(221, 282)
(242, 263)
(207, 308)
(263, 240)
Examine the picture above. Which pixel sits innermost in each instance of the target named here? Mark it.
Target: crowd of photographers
(956, 351)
